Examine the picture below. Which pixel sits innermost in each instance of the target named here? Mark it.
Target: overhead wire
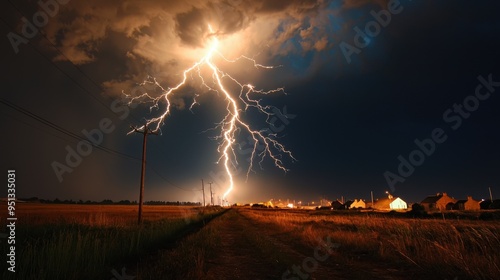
(63, 130)
(96, 98)
(77, 137)
(11, 117)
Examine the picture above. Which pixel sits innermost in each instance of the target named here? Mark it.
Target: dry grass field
(283, 244)
(90, 241)
(467, 249)
(176, 242)
(97, 215)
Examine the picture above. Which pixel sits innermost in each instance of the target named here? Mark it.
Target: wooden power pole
(203, 189)
(145, 132)
(211, 195)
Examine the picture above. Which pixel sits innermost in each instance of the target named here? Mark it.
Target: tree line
(108, 202)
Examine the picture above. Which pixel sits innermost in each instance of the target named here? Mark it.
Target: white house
(390, 203)
(398, 203)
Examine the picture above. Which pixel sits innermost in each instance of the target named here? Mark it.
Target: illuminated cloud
(164, 37)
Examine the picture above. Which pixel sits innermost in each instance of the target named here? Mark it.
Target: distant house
(337, 205)
(468, 204)
(472, 204)
(357, 204)
(398, 203)
(438, 202)
(390, 203)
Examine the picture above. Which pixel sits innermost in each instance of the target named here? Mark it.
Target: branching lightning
(232, 122)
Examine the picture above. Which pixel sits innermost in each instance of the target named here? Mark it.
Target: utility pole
(491, 196)
(211, 195)
(372, 198)
(145, 132)
(203, 189)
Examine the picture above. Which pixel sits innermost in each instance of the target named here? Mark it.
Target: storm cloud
(168, 34)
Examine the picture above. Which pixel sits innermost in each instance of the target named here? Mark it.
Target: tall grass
(451, 248)
(189, 259)
(91, 249)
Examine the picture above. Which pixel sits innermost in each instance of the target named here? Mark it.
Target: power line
(168, 181)
(96, 98)
(76, 137)
(35, 127)
(71, 62)
(74, 65)
(63, 130)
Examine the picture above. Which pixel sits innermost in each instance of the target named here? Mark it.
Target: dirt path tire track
(143, 261)
(237, 258)
(277, 251)
(251, 251)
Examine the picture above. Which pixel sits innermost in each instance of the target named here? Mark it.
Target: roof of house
(469, 198)
(383, 202)
(432, 199)
(357, 204)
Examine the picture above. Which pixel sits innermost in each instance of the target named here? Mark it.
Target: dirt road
(237, 246)
(237, 257)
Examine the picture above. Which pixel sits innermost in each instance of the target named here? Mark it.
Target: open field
(98, 242)
(97, 215)
(92, 241)
(442, 249)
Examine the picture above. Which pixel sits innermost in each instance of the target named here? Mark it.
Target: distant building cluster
(439, 202)
(442, 201)
(383, 204)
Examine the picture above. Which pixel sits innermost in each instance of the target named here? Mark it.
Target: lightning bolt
(232, 122)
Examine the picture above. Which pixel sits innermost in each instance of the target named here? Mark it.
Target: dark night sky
(347, 122)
